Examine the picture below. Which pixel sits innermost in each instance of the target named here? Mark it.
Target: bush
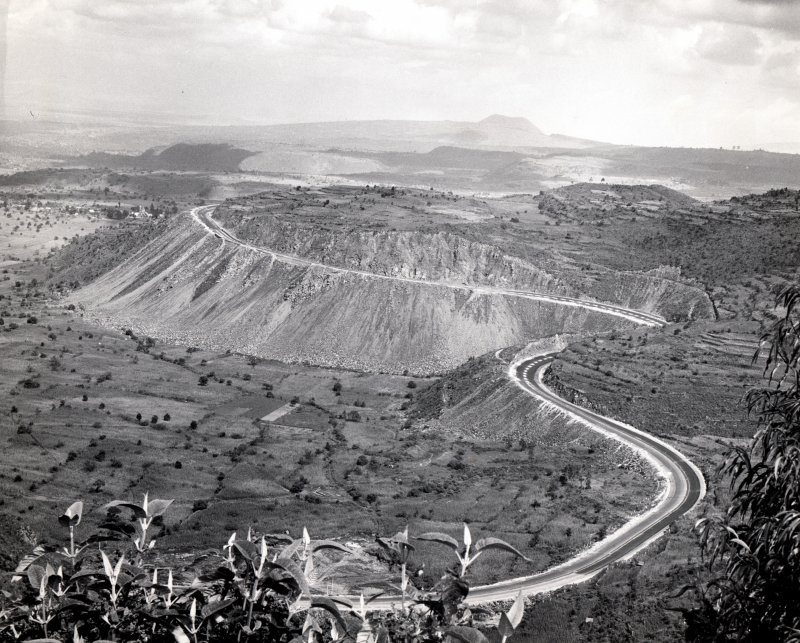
(298, 485)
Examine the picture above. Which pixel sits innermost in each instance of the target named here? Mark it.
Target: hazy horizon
(697, 74)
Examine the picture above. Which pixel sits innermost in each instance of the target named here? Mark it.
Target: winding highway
(683, 483)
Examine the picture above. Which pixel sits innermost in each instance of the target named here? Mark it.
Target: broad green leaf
(109, 570)
(137, 510)
(217, 606)
(401, 536)
(245, 548)
(497, 543)
(505, 627)
(295, 572)
(27, 561)
(72, 516)
(118, 566)
(517, 611)
(331, 607)
(180, 636)
(328, 544)
(35, 575)
(309, 567)
(157, 507)
(437, 537)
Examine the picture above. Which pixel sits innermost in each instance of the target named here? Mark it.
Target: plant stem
(403, 586)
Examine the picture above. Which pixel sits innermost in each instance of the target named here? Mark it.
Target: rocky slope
(444, 256)
(187, 286)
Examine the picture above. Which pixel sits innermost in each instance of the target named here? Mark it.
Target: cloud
(781, 16)
(604, 69)
(779, 3)
(346, 15)
(729, 45)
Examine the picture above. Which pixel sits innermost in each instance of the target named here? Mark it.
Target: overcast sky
(659, 72)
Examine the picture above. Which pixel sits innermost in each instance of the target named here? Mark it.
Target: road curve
(683, 488)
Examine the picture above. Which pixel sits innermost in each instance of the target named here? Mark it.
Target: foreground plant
(443, 613)
(251, 589)
(756, 542)
(399, 547)
(145, 513)
(468, 554)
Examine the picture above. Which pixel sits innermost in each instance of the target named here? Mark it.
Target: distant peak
(513, 122)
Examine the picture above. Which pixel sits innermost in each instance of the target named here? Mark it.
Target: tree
(755, 543)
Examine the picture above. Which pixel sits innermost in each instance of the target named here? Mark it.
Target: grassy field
(683, 380)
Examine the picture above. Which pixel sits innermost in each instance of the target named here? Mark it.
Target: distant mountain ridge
(493, 132)
(211, 157)
(507, 131)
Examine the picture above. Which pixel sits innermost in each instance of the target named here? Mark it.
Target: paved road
(684, 487)
(683, 483)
